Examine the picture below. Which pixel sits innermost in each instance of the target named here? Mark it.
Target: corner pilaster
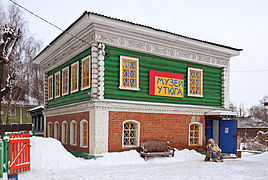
(98, 52)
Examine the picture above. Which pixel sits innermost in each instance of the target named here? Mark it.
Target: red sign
(166, 84)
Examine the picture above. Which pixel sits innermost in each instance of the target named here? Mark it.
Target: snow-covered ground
(49, 160)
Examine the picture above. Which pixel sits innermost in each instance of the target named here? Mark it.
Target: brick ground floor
(68, 119)
(174, 128)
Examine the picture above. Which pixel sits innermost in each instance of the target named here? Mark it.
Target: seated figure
(213, 152)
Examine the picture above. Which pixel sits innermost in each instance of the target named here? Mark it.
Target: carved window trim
(200, 134)
(73, 76)
(194, 85)
(83, 136)
(49, 129)
(73, 133)
(50, 87)
(57, 84)
(65, 78)
(64, 132)
(57, 130)
(83, 86)
(126, 58)
(137, 134)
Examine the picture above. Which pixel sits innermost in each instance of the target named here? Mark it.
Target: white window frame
(59, 84)
(48, 129)
(63, 133)
(200, 134)
(71, 133)
(55, 130)
(201, 75)
(89, 73)
(81, 133)
(121, 71)
(52, 86)
(63, 94)
(138, 134)
(77, 76)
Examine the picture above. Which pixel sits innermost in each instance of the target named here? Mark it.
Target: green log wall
(80, 95)
(212, 82)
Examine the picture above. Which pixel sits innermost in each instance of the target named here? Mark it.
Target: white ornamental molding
(152, 48)
(98, 52)
(225, 87)
(109, 106)
(72, 49)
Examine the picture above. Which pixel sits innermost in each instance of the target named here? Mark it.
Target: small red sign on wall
(166, 84)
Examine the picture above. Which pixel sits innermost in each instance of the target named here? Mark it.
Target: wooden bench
(156, 149)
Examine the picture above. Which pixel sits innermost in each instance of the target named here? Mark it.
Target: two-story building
(111, 84)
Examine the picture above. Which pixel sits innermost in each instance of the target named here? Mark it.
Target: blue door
(209, 130)
(228, 136)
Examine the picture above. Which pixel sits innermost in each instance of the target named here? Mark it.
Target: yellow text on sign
(168, 87)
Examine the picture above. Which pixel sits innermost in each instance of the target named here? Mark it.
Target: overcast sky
(236, 23)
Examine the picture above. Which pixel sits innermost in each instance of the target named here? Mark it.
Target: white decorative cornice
(160, 50)
(67, 52)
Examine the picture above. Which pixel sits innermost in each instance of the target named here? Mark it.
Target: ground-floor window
(57, 130)
(73, 133)
(49, 129)
(64, 132)
(83, 133)
(195, 134)
(130, 133)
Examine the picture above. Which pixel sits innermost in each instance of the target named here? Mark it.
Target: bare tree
(17, 50)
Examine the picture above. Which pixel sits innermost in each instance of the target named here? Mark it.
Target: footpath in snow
(50, 160)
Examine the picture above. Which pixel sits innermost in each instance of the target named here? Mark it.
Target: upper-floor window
(65, 81)
(129, 73)
(130, 133)
(83, 133)
(74, 79)
(85, 73)
(195, 82)
(50, 87)
(57, 84)
(195, 134)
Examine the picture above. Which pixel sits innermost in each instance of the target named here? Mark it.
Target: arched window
(49, 129)
(195, 134)
(57, 130)
(64, 132)
(83, 133)
(73, 133)
(131, 131)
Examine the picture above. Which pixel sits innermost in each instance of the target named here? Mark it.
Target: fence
(15, 153)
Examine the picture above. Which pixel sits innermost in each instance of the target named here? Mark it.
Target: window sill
(72, 144)
(194, 95)
(128, 88)
(84, 146)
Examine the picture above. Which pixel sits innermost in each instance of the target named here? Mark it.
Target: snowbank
(48, 154)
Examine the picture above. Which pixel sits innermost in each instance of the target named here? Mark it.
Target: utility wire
(49, 22)
(90, 44)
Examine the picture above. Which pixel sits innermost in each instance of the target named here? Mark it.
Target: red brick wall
(154, 126)
(78, 117)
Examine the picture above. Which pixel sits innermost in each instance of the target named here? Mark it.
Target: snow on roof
(221, 113)
(35, 108)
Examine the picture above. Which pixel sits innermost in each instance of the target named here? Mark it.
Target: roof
(92, 13)
(36, 108)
